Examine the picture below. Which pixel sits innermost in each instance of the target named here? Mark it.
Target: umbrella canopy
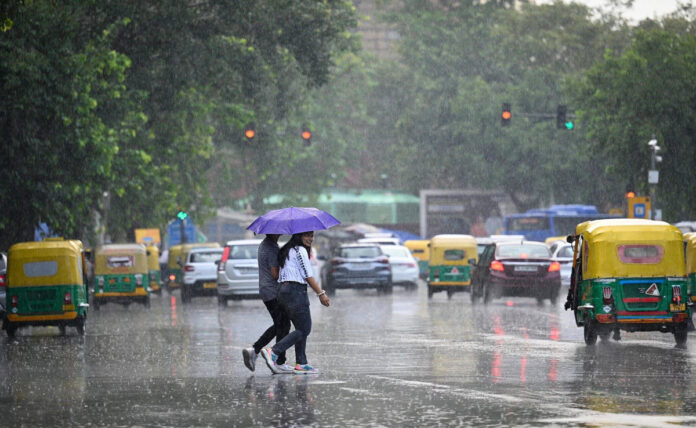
(288, 221)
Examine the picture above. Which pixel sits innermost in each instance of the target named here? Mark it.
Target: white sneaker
(250, 358)
(284, 368)
(270, 358)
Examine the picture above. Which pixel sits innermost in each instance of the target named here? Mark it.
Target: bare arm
(324, 299)
(275, 272)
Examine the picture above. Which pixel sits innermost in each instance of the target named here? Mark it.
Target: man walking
(268, 290)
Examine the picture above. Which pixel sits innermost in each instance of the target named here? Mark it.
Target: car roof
(503, 243)
(207, 250)
(244, 242)
(359, 244)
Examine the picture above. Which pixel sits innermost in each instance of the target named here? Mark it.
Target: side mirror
(472, 262)
(570, 239)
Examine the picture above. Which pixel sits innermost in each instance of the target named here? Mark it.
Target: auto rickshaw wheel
(80, 326)
(430, 291)
(680, 334)
(450, 293)
(147, 302)
(10, 328)
(604, 335)
(62, 329)
(95, 303)
(590, 332)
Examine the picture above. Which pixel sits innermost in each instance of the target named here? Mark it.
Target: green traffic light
(181, 215)
(569, 125)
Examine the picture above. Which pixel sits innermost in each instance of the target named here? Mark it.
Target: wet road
(397, 360)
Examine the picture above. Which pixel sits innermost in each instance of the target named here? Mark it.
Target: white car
(404, 266)
(380, 241)
(238, 272)
(200, 273)
(563, 254)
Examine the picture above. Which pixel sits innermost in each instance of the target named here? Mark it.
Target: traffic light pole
(183, 232)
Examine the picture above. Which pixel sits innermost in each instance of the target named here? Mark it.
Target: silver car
(563, 254)
(238, 271)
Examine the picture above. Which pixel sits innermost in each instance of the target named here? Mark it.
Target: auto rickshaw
(420, 250)
(46, 285)
(120, 275)
(176, 260)
(450, 263)
(153, 268)
(628, 274)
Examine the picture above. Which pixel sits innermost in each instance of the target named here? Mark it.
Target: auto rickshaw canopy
(690, 247)
(419, 248)
(112, 259)
(50, 262)
(452, 249)
(152, 257)
(630, 248)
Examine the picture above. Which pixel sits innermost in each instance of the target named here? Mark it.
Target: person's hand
(324, 299)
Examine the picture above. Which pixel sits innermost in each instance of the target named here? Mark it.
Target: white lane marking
(470, 393)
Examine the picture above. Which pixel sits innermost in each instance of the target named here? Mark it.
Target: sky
(641, 8)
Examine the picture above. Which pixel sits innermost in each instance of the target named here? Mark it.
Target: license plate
(210, 285)
(525, 268)
(677, 307)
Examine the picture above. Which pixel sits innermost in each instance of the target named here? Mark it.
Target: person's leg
(288, 298)
(302, 320)
(281, 324)
(276, 313)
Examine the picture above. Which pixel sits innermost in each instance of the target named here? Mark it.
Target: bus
(558, 220)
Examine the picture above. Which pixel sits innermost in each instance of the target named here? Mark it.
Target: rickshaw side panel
(449, 267)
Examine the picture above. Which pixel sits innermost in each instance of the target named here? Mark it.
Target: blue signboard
(174, 232)
(639, 211)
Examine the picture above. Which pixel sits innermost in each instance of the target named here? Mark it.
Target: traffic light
(306, 135)
(250, 132)
(562, 121)
(506, 115)
(182, 215)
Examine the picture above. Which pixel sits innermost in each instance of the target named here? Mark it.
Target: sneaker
(305, 369)
(250, 358)
(284, 368)
(270, 358)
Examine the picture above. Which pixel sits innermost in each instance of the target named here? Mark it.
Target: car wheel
(388, 288)
(680, 334)
(222, 301)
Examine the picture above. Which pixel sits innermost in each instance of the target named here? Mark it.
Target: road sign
(174, 231)
(639, 207)
(147, 236)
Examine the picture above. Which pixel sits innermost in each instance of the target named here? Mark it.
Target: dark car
(517, 269)
(357, 266)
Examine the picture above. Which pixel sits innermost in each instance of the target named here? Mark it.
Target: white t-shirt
(297, 266)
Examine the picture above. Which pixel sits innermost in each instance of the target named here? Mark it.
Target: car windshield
(394, 251)
(209, 257)
(359, 252)
(565, 251)
(242, 252)
(523, 251)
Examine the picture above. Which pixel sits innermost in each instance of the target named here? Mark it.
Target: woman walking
(295, 275)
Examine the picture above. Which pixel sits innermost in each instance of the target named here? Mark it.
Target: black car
(357, 266)
(516, 269)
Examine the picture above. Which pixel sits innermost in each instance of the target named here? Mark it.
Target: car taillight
(223, 259)
(554, 267)
(337, 261)
(497, 266)
(2, 280)
(606, 295)
(189, 268)
(411, 265)
(383, 260)
(67, 298)
(676, 293)
(14, 301)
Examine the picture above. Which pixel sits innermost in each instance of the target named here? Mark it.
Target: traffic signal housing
(250, 132)
(306, 135)
(506, 115)
(562, 121)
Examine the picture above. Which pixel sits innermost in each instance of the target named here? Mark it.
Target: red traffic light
(506, 115)
(250, 133)
(306, 135)
(630, 194)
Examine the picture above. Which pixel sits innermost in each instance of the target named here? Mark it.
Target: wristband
(322, 293)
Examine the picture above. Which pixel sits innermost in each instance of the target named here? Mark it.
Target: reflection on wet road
(399, 360)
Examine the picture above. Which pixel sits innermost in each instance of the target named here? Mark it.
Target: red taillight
(676, 293)
(497, 265)
(411, 265)
(554, 267)
(67, 298)
(14, 301)
(223, 259)
(383, 260)
(189, 268)
(2, 280)
(172, 277)
(606, 295)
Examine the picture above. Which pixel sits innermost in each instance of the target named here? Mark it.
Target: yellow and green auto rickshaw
(628, 274)
(690, 255)
(176, 260)
(120, 275)
(420, 250)
(46, 285)
(153, 268)
(450, 263)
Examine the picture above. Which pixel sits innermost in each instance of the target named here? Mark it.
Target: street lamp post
(654, 177)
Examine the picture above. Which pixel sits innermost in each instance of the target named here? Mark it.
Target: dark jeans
(293, 297)
(279, 329)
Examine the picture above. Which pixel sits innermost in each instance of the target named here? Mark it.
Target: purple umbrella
(288, 221)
